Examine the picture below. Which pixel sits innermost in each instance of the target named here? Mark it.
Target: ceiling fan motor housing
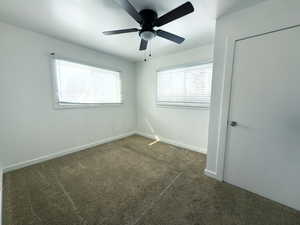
(149, 17)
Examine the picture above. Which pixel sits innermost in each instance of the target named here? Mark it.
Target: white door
(263, 149)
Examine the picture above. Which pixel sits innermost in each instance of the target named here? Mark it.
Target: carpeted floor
(131, 182)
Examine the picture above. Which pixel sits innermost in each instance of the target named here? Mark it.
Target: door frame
(222, 140)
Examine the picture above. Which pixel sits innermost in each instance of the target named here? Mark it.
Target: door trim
(226, 96)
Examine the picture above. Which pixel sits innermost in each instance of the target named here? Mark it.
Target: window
(79, 84)
(189, 86)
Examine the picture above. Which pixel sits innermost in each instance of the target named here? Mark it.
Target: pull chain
(150, 49)
(150, 52)
(145, 57)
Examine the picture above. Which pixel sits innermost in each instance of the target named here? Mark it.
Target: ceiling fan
(148, 19)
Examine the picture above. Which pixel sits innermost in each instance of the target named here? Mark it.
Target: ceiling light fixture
(147, 35)
(148, 19)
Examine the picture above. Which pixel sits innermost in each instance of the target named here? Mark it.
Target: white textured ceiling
(82, 22)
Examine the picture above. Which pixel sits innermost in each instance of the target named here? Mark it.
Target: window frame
(59, 105)
(180, 105)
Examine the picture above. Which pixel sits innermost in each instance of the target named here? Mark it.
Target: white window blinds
(189, 86)
(83, 84)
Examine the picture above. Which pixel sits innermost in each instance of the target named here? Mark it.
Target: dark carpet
(132, 182)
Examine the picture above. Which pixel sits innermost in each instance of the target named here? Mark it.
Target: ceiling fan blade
(176, 13)
(143, 45)
(125, 4)
(171, 37)
(112, 32)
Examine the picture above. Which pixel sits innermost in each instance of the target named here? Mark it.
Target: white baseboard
(172, 142)
(65, 152)
(211, 174)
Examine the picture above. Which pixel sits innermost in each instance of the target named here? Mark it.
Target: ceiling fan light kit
(148, 19)
(147, 35)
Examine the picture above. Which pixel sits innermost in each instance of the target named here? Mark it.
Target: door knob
(233, 123)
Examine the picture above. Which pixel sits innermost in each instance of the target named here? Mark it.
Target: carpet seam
(166, 163)
(151, 157)
(158, 199)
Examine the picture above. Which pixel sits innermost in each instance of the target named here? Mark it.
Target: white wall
(30, 126)
(264, 17)
(182, 126)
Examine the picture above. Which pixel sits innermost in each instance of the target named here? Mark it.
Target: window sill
(58, 105)
(187, 106)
